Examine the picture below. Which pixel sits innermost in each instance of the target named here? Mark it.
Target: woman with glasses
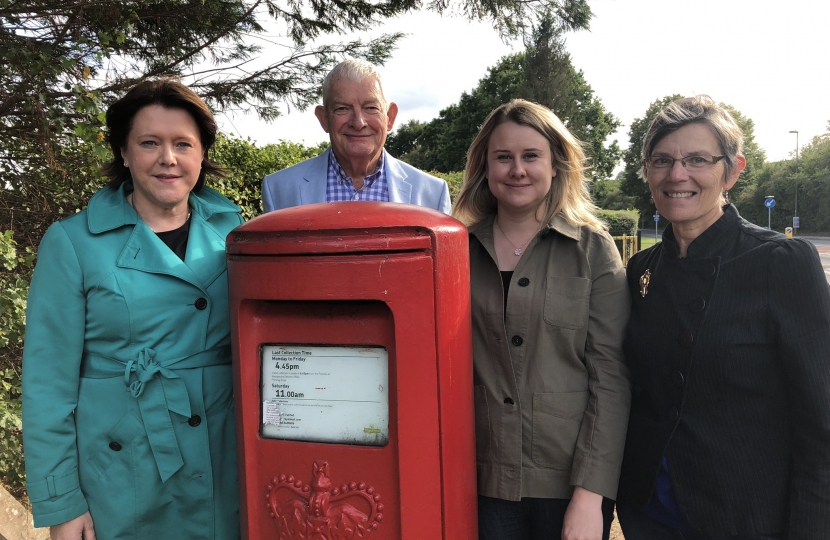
(549, 307)
(729, 434)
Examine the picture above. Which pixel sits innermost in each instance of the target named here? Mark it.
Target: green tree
(542, 73)
(811, 175)
(65, 59)
(607, 195)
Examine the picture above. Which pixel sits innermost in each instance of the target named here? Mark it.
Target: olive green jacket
(551, 390)
(127, 394)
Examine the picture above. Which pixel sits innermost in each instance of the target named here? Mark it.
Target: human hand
(583, 518)
(79, 528)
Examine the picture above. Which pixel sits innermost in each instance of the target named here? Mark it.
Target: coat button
(201, 303)
(523, 282)
(508, 401)
(674, 414)
(194, 420)
(115, 446)
(678, 379)
(686, 339)
(517, 340)
(709, 270)
(697, 305)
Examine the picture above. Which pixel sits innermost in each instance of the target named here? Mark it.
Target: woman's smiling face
(519, 167)
(690, 200)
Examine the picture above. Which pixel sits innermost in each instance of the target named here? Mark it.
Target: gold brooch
(644, 280)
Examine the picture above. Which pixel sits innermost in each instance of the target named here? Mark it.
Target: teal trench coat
(127, 383)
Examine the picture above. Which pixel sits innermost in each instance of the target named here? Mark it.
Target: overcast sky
(768, 59)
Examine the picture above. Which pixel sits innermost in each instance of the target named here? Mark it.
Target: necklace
(519, 249)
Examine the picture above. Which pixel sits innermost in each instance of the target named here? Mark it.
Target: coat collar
(108, 209)
(483, 231)
(484, 228)
(711, 240)
(144, 251)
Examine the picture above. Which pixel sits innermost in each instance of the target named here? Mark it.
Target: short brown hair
(169, 93)
(697, 110)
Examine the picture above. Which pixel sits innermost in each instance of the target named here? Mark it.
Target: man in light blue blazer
(357, 117)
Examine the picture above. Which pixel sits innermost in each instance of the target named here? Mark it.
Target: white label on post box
(325, 394)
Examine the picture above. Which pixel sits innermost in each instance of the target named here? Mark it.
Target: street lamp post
(795, 219)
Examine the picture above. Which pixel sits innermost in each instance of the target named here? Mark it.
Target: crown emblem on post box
(316, 511)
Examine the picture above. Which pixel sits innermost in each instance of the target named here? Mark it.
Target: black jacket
(729, 351)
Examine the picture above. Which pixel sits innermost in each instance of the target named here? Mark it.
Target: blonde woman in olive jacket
(549, 306)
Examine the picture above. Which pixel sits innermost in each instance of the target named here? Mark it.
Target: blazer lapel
(313, 187)
(400, 191)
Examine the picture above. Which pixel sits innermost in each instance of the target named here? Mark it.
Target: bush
(15, 273)
(620, 222)
(454, 181)
(248, 164)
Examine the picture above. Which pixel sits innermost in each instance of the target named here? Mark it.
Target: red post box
(353, 374)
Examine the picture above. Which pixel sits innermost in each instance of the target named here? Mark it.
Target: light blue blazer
(305, 183)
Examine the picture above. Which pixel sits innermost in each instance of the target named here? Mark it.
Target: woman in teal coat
(127, 386)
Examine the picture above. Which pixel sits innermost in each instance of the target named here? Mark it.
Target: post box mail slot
(353, 373)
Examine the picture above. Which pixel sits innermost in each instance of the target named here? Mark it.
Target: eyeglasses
(661, 163)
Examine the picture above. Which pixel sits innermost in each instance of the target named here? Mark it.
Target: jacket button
(674, 414)
(115, 446)
(709, 270)
(201, 303)
(686, 339)
(508, 401)
(517, 340)
(697, 305)
(194, 420)
(523, 282)
(678, 379)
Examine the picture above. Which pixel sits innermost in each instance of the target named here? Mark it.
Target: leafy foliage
(607, 195)
(15, 272)
(65, 59)
(620, 222)
(542, 73)
(810, 174)
(247, 165)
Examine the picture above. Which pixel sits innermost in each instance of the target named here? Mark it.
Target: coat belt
(159, 392)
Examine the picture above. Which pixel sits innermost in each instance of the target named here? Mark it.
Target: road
(822, 244)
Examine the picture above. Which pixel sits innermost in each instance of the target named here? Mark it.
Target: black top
(506, 276)
(728, 351)
(176, 239)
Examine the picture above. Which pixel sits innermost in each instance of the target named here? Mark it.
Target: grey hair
(697, 110)
(353, 69)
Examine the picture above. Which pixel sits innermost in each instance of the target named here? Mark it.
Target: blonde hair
(568, 193)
